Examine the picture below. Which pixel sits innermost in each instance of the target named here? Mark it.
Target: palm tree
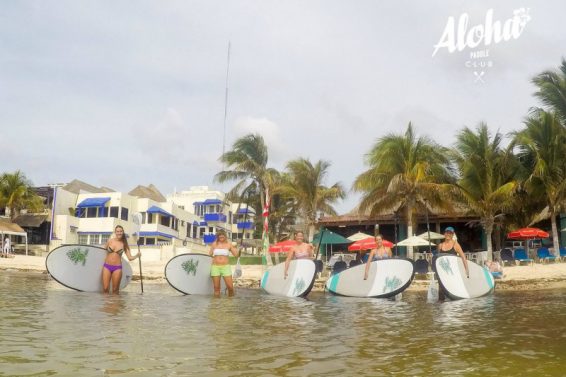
(247, 164)
(542, 147)
(405, 172)
(312, 197)
(16, 193)
(552, 90)
(486, 176)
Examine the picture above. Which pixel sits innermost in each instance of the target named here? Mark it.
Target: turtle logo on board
(445, 265)
(77, 255)
(391, 284)
(190, 267)
(299, 286)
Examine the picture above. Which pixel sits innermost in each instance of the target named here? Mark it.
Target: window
(210, 230)
(144, 217)
(114, 212)
(94, 239)
(150, 241)
(91, 212)
(189, 231)
(124, 214)
(83, 239)
(182, 207)
(165, 221)
(150, 218)
(230, 217)
(195, 230)
(104, 238)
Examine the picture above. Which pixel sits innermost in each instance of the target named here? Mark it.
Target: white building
(84, 214)
(216, 213)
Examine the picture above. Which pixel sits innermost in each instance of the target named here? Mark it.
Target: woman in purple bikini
(112, 269)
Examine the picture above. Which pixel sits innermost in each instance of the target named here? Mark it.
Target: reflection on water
(46, 329)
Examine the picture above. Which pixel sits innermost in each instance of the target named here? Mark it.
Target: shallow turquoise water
(46, 329)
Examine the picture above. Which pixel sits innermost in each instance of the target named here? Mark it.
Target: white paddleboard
(386, 278)
(456, 285)
(299, 282)
(79, 267)
(190, 274)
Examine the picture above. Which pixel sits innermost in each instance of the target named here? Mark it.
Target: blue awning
(197, 203)
(156, 209)
(203, 223)
(195, 223)
(93, 202)
(212, 201)
(155, 234)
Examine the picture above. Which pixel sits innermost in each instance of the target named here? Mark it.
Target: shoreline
(515, 278)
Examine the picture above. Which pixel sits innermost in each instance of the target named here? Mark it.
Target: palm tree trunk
(409, 230)
(488, 232)
(555, 243)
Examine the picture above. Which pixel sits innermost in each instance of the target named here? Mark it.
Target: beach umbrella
(367, 244)
(358, 236)
(433, 236)
(282, 246)
(414, 241)
(527, 234)
(329, 238)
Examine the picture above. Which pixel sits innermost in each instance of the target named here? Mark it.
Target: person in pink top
(302, 250)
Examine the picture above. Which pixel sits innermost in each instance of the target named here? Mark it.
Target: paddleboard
(79, 267)
(299, 282)
(453, 281)
(386, 278)
(190, 274)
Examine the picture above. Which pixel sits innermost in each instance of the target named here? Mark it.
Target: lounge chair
(421, 266)
(544, 255)
(354, 262)
(562, 253)
(339, 267)
(521, 256)
(506, 255)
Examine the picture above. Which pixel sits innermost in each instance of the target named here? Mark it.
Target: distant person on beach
(112, 269)
(302, 250)
(7, 247)
(380, 252)
(495, 268)
(220, 249)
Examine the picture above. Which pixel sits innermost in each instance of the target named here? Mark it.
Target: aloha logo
(299, 286)
(77, 255)
(457, 37)
(445, 265)
(391, 284)
(190, 267)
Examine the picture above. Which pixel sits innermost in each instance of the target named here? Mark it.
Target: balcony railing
(209, 238)
(220, 217)
(245, 225)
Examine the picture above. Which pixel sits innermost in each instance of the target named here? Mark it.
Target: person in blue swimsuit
(112, 269)
(380, 252)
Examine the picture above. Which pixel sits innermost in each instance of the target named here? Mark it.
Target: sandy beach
(539, 276)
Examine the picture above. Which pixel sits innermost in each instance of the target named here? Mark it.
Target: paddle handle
(141, 275)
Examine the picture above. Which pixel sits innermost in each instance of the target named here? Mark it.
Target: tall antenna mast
(226, 101)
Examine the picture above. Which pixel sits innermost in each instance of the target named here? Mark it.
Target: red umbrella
(282, 247)
(367, 244)
(527, 234)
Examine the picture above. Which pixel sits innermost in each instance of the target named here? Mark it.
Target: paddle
(137, 220)
(238, 268)
(318, 247)
(432, 294)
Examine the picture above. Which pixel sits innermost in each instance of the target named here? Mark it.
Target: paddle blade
(432, 295)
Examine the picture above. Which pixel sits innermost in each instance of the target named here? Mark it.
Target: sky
(121, 93)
